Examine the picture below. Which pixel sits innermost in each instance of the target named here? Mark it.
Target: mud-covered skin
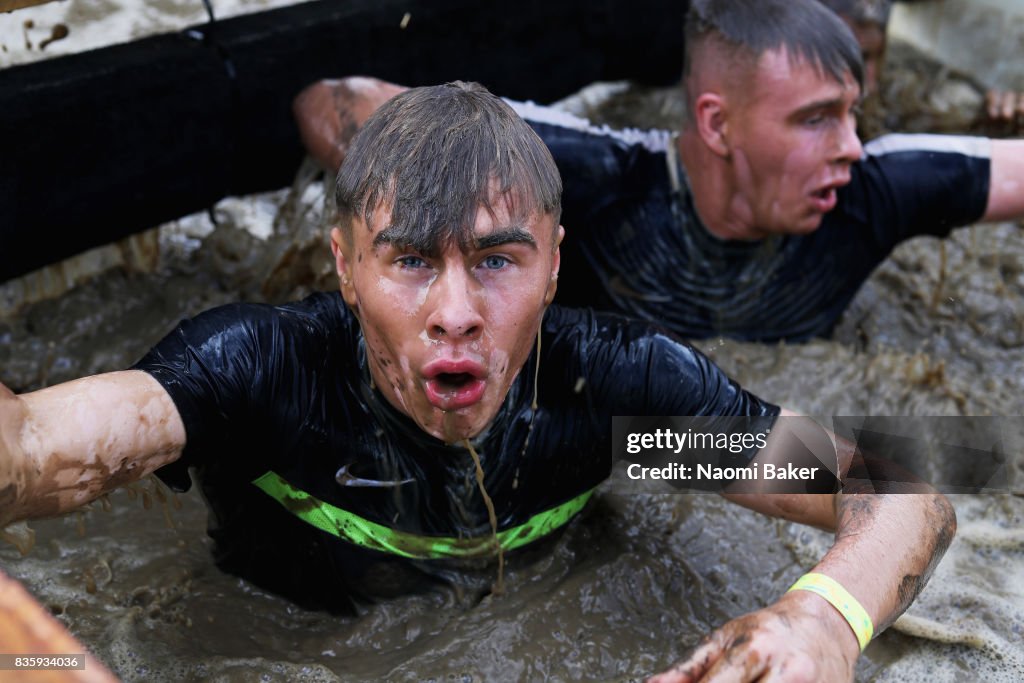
(869, 490)
(796, 639)
(67, 445)
(13, 473)
(481, 306)
(330, 113)
(941, 519)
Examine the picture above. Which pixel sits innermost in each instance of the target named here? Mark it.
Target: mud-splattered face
(791, 144)
(447, 333)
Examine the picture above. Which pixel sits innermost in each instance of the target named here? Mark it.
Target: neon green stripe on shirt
(360, 531)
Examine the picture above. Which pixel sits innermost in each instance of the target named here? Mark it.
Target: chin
(455, 426)
(806, 226)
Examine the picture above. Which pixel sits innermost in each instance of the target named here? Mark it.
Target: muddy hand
(794, 640)
(1005, 107)
(330, 112)
(12, 474)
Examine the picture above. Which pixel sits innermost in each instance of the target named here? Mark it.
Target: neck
(724, 211)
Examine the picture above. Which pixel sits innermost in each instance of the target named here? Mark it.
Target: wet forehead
(791, 84)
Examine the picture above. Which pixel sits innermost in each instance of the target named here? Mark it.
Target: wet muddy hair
(434, 155)
(743, 30)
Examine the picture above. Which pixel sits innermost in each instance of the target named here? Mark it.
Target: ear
(556, 263)
(342, 259)
(711, 117)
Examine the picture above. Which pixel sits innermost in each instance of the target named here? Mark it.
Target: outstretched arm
(1006, 188)
(66, 445)
(886, 547)
(330, 112)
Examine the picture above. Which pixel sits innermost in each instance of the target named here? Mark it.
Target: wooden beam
(144, 132)
(11, 5)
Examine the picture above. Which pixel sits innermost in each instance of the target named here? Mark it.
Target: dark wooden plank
(117, 140)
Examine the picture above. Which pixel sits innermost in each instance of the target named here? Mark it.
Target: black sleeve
(910, 185)
(210, 365)
(590, 159)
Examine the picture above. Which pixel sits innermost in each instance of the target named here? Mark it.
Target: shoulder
(633, 367)
(548, 118)
(891, 146)
(319, 312)
(248, 332)
(323, 312)
(611, 342)
(249, 364)
(589, 154)
(903, 158)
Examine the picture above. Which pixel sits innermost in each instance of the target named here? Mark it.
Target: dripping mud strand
(23, 537)
(499, 585)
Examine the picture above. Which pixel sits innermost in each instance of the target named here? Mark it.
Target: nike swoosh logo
(345, 478)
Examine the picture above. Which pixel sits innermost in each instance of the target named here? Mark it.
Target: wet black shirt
(635, 244)
(286, 389)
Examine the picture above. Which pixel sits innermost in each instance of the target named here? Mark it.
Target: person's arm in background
(330, 112)
(69, 444)
(886, 547)
(1006, 187)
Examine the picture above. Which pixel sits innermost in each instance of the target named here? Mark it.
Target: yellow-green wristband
(840, 598)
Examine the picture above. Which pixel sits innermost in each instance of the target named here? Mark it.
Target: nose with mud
(455, 315)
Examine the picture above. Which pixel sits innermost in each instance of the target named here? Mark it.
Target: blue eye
(411, 262)
(495, 262)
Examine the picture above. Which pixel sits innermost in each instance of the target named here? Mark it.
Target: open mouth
(454, 390)
(824, 199)
(453, 381)
(454, 384)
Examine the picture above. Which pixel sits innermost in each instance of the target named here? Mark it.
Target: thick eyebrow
(823, 104)
(505, 236)
(389, 235)
(393, 236)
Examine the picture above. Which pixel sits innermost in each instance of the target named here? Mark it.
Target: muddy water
(629, 587)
